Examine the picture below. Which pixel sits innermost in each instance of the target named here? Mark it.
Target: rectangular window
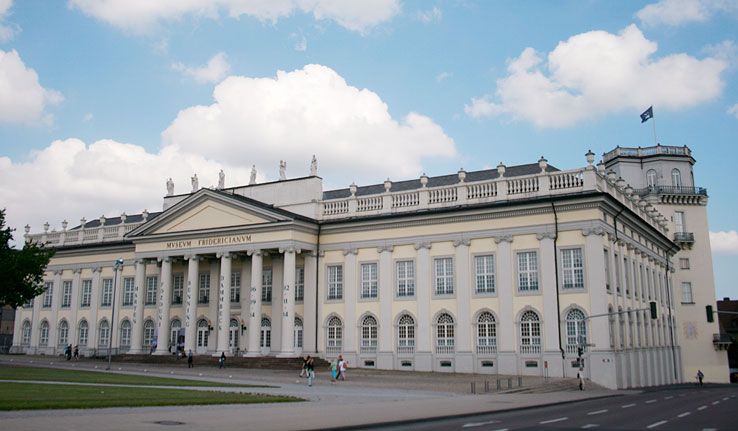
(300, 284)
(485, 273)
(405, 278)
(66, 294)
(266, 285)
(635, 279)
(683, 263)
(48, 294)
(177, 288)
(335, 282)
(679, 222)
(607, 270)
(572, 268)
(203, 296)
(648, 280)
(528, 271)
(617, 273)
(444, 279)
(106, 298)
(128, 291)
(86, 293)
(687, 293)
(151, 284)
(236, 287)
(626, 265)
(368, 280)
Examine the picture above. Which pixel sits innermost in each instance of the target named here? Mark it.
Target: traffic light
(710, 315)
(654, 310)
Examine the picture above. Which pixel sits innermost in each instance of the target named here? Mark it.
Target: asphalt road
(676, 408)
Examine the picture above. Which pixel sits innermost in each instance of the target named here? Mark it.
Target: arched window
(234, 329)
(530, 333)
(26, 333)
(148, 338)
(611, 325)
(203, 332)
(406, 335)
(103, 338)
(652, 179)
(63, 336)
(576, 330)
(298, 332)
(676, 178)
(486, 334)
(369, 335)
(445, 334)
(43, 334)
(335, 335)
(125, 333)
(266, 333)
(174, 328)
(82, 333)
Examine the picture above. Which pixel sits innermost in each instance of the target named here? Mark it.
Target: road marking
(502, 429)
(684, 414)
(478, 424)
(725, 399)
(589, 426)
(553, 420)
(650, 401)
(669, 397)
(627, 406)
(701, 407)
(656, 424)
(715, 402)
(597, 412)
(709, 429)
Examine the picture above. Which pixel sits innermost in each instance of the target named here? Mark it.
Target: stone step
(261, 362)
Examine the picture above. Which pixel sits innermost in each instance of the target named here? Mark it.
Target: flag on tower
(647, 114)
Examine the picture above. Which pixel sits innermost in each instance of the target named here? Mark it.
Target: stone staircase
(558, 385)
(262, 362)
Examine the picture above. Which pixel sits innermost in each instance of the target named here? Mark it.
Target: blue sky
(102, 100)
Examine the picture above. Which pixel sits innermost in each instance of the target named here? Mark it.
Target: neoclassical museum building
(516, 270)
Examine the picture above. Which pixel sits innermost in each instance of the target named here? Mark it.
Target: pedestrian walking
(68, 351)
(189, 359)
(700, 376)
(342, 365)
(580, 376)
(310, 368)
(222, 360)
(303, 371)
(334, 369)
(76, 353)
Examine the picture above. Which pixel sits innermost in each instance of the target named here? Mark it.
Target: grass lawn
(79, 376)
(24, 396)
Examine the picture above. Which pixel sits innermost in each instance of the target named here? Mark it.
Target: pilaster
(165, 293)
(288, 304)
(423, 355)
(255, 303)
(224, 303)
(138, 313)
(386, 295)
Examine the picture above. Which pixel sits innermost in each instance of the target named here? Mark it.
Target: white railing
(406, 350)
(530, 349)
(480, 191)
(406, 200)
(566, 180)
(335, 207)
(444, 350)
(83, 236)
(373, 203)
(110, 232)
(333, 349)
(486, 350)
(522, 185)
(437, 196)
(368, 349)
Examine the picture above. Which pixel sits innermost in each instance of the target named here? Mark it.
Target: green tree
(21, 271)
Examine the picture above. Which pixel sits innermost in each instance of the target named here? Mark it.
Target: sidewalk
(369, 396)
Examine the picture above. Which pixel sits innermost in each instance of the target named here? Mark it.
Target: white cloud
(7, 32)
(596, 73)
(443, 75)
(724, 242)
(429, 16)
(216, 69)
(304, 112)
(726, 51)
(733, 110)
(678, 12)
(22, 98)
(300, 42)
(142, 15)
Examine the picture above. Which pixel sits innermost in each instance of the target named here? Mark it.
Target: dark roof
(443, 180)
(113, 221)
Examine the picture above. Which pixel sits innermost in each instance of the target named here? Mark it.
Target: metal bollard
(520, 381)
(486, 386)
(499, 384)
(473, 388)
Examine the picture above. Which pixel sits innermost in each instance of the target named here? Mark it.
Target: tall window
(174, 328)
(203, 332)
(368, 280)
(648, 280)
(486, 334)
(103, 338)
(86, 293)
(572, 268)
(177, 288)
(607, 270)
(530, 333)
(445, 334)
(621, 321)
(652, 179)
(128, 291)
(369, 335)
(266, 333)
(266, 285)
(679, 222)
(687, 293)
(406, 335)
(148, 335)
(106, 297)
(125, 333)
(48, 293)
(676, 178)
(300, 284)
(63, 336)
(405, 278)
(444, 280)
(82, 333)
(66, 294)
(626, 265)
(617, 272)
(26, 333)
(236, 287)
(528, 271)
(485, 273)
(298, 332)
(635, 279)
(683, 263)
(576, 330)
(43, 334)
(151, 282)
(203, 296)
(335, 282)
(335, 335)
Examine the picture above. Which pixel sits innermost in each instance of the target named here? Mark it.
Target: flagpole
(653, 117)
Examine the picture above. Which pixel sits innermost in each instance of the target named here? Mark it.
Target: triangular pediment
(210, 215)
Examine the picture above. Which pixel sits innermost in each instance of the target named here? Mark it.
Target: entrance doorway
(234, 336)
(202, 336)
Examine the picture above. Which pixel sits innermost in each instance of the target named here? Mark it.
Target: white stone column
(76, 282)
(386, 319)
(17, 328)
(349, 305)
(35, 322)
(224, 306)
(464, 357)
(165, 293)
(55, 302)
(245, 301)
(423, 354)
(213, 306)
(115, 308)
(138, 310)
(276, 316)
(551, 318)
(193, 278)
(94, 307)
(310, 304)
(255, 303)
(506, 357)
(288, 304)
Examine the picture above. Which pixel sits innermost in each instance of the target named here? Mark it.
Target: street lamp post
(118, 265)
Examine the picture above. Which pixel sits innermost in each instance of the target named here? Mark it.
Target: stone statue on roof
(252, 180)
(221, 180)
(314, 167)
(282, 170)
(195, 183)
(170, 187)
